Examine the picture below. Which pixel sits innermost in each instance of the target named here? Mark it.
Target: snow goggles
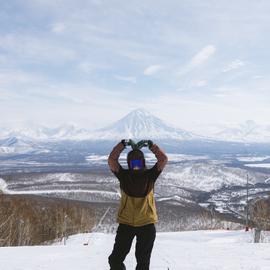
(136, 163)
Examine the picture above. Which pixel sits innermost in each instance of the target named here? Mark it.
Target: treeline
(260, 213)
(33, 220)
(172, 217)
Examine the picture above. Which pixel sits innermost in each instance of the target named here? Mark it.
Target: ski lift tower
(247, 224)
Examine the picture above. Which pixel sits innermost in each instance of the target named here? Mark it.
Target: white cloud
(180, 90)
(197, 60)
(151, 70)
(187, 111)
(203, 55)
(200, 83)
(58, 27)
(10, 77)
(86, 67)
(234, 65)
(100, 41)
(129, 79)
(36, 49)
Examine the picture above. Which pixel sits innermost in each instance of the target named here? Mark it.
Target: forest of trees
(260, 213)
(32, 220)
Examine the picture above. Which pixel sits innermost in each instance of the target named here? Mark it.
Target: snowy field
(259, 165)
(200, 250)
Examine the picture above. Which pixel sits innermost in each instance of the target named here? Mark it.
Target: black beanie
(135, 154)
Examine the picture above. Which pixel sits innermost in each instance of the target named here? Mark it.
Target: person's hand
(125, 142)
(150, 143)
(129, 143)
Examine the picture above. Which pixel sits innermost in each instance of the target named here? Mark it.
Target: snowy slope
(195, 172)
(43, 133)
(208, 175)
(199, 250)
(3, 186)
(14, 145)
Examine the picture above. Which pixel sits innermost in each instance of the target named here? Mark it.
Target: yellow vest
(136, 211)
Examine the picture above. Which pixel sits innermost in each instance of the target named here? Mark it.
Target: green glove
(142, 144)
(150, 143)
(132, 144)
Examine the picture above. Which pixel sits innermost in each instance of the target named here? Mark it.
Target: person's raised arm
(114, 156)
(162, 159)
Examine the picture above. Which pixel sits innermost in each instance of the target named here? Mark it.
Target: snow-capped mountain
(15, 145)
(140, 124)
(248, 131)
(40, 133)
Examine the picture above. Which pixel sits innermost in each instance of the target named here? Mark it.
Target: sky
(192, 63)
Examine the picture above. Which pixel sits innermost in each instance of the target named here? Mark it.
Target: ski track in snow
(199, 250)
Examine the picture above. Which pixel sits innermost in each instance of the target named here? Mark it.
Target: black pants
(145, 241)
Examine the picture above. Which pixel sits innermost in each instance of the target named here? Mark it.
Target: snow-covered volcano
(140, 124)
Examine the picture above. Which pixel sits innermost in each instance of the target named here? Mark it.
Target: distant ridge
(137, 124)
(249, 131)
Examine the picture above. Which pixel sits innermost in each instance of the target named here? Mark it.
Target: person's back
(137, 212)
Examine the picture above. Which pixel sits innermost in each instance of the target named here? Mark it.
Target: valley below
(193, 192)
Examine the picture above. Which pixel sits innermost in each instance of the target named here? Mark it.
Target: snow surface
(3, 186)
(198, 250)
(14, 145)
(259, 165)
(205, 176)
(198, 174)
(252, 158)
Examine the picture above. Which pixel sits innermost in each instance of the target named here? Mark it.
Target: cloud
(10, 77)
(151, 70)
(234, 65)
(91, 67)
(37, 49)
(129, 79)
(83, 47)
(202, 56)
(200, 83)
(58, 27)
(198, 59)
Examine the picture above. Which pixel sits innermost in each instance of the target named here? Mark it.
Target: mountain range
(248, 131)
(138, 124)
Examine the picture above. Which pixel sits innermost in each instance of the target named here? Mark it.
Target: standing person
(137, 212)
